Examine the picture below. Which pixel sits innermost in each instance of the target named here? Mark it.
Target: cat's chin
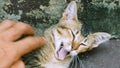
(73, 53)
(57, 58)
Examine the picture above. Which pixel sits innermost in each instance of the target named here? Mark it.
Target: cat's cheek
(73, 53)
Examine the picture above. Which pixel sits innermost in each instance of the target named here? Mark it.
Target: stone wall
(96, 15)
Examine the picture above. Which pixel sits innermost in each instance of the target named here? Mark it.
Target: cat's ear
(70, 11)
(99, 37)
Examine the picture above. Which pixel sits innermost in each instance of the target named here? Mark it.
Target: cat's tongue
(62, 53)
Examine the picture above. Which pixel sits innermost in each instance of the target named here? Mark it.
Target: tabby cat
(64, 41)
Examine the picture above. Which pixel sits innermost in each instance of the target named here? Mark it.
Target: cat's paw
(73, 53)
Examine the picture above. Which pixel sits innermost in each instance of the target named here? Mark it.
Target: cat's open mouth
(62, 53)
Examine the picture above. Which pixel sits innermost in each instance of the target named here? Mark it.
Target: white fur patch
(73, 53)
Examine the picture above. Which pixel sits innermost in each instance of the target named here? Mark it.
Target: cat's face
(67, 38)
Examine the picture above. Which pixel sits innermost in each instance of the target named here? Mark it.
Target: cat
(64, 41)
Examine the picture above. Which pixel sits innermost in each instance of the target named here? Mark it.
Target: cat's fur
(64, 41)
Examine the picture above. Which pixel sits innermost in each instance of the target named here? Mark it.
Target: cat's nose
(74, 46)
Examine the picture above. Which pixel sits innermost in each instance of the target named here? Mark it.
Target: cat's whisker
(79, 61)
(73, 62)
(81, 65)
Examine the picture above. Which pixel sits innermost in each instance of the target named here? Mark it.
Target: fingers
(18, 64)
(6, 24)
(28, 44)
(17, 31)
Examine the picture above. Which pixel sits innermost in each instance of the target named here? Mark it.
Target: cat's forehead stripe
(63, 27)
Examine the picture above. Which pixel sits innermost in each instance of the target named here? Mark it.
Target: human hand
(12, 47)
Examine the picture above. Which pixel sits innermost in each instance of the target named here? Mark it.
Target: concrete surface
(105, 56)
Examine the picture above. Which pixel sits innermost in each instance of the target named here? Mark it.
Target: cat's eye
(83, 44)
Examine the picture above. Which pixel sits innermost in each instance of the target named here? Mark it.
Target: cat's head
(67, 38)
(67, 32)
(90, 42)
